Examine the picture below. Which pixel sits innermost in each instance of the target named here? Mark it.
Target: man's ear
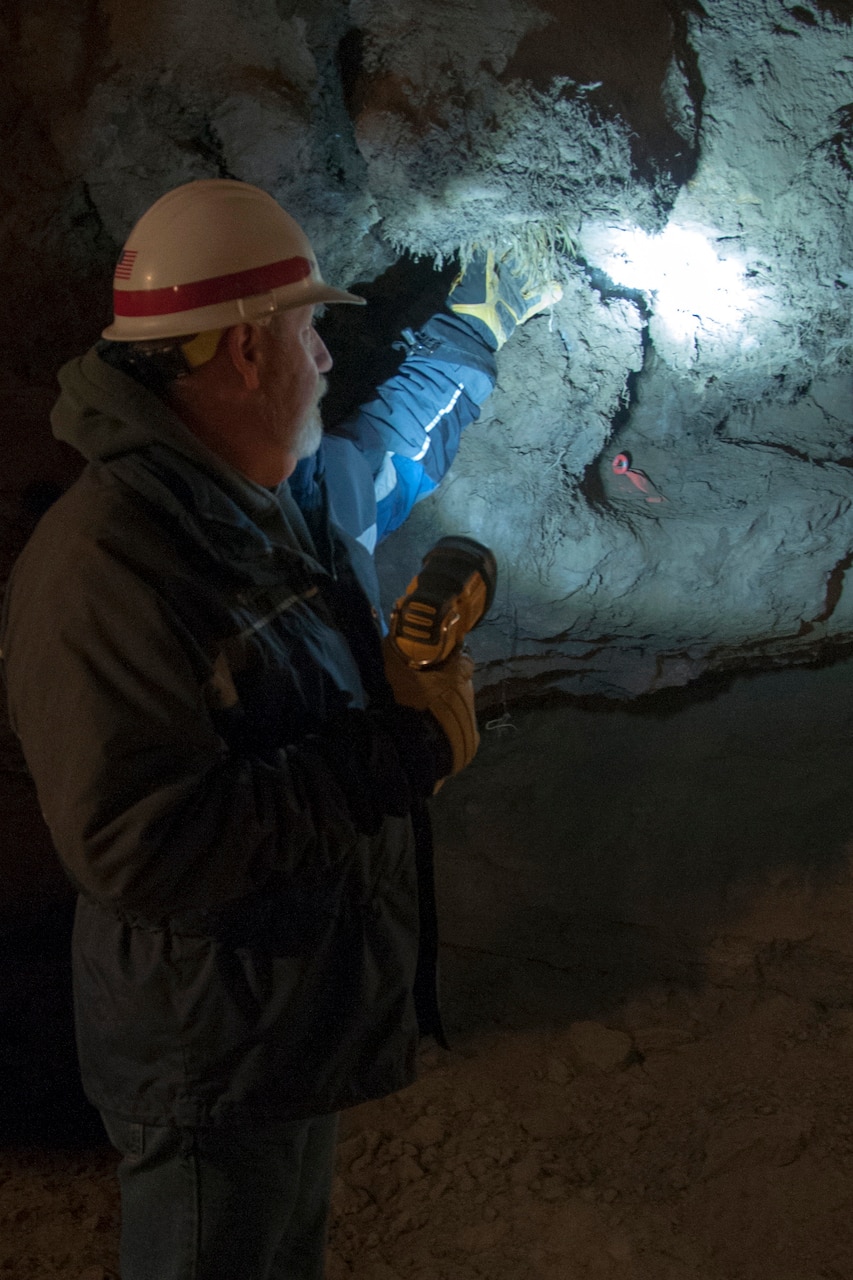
(244, 345)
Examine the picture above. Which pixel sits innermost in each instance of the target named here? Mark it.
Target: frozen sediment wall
(685, 169)
(705, 333)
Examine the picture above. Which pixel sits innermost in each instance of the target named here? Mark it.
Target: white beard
(311, 432)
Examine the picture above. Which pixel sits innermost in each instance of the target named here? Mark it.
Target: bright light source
(690, 285)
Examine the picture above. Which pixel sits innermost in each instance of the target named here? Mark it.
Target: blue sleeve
(338, 475)
(350, 489)
(367, 507)
(409, 433)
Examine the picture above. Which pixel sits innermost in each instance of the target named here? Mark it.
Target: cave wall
(685, 171)
(607, 848)
(705, 331)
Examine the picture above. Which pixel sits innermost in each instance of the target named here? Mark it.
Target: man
(232, 766)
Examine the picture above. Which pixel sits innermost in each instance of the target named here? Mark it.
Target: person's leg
(301, 1254)
(159, 1201)
(224, 1203)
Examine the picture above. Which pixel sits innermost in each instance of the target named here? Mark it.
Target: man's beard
(311, 432)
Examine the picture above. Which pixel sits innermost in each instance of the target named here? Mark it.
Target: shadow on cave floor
(586, 859)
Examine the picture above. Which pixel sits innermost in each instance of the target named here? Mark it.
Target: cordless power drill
(447, 599)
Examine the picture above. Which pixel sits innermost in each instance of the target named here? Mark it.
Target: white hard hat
(211, 254)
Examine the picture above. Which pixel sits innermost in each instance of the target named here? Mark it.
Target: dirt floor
(648, 974)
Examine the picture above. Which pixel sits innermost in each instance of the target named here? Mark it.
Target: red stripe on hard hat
(206, 293)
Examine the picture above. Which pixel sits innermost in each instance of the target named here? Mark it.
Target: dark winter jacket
(196, 679)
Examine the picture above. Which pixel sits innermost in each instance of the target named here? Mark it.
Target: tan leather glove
(445, 691)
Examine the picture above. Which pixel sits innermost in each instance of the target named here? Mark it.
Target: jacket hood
(102, 414)
(107, 416)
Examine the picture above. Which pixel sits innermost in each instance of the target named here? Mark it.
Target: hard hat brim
(323, 293)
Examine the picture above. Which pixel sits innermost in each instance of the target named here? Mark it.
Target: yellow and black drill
(450, 595)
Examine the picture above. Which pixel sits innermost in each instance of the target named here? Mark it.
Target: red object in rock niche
(633, 481)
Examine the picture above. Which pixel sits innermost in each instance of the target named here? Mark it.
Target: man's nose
(322, 358)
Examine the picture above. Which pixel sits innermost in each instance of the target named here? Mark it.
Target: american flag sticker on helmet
(124, 267)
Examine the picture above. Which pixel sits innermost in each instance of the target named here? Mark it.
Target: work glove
(497, 296)
(445, 691)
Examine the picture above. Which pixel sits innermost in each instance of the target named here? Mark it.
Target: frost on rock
(538, 167)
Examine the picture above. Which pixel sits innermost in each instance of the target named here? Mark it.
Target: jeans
(223, 1203)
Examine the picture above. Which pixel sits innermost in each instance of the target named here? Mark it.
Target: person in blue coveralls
(396, 449)
(234, 764)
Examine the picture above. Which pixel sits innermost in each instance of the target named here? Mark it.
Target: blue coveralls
(395, 450)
